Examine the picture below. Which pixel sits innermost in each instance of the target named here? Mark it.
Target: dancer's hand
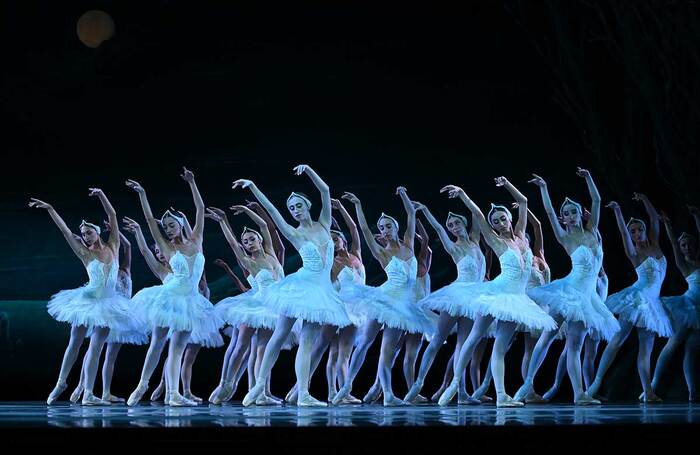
(336, 204)
(350, 197)
(252, 205)
(95, 192)
(107, 226)
(418, 206)
(134, 185)
(613, 205)
(300, 169)
(221, 263)
(239, 209)
(401, 190)
(514, 206)
(537, 180)
(215, 214)
(664, 218)
(453, 191)
(501, 181)
(131, 225)
(638, 197)
(187, 175)
(242, 183)
(582, 172)
(36, 203)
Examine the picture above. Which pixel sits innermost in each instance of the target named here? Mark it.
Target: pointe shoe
(56, 392)
(342, 393)
(91, 400)
(585, 400)
(535, 398)
(292, 395)
(505, 401)
(306, 400)
(213, 398)
(253, 394)
(650, 398)
(436, 395)
(75, 396)
(467, 400)
(137, 394)
(486, 399)
(155, 396)
(413, 392)
(393, 401)
(373, 395)
(526, 390)
(222, 393)
(549, 394)
(174, 399)
(112, 399)
(190, 396)
(448, 394)
(276, 401)
(351, 400)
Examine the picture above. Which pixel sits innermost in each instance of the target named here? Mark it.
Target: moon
(94, 27)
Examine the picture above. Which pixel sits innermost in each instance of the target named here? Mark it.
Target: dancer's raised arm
(355, 247)
(559, 232)
(681, 263)
(519, 228)
(237, 281)
(219, 216)
(276, 239)
(124, 249)
(491, 238)
(653, 234)
(325, 216)
(198, 229)
(264, 231)
(538, 246)
(594, 218)
(425, 254)
(76, 244)
(447, 243)
(630, 250)
(287, 231)
(153, 226)
(374, 247)
(410, 233)
(113, 240)
(154, 265)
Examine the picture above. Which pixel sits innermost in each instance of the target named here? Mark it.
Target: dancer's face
(500, 222)
(159, 254)
(89, 235)
(171, 227)
(251, 242)
(570, 215)
(456, 227)
(387, 229)
(338, 242)
(688, 246)
(298, 208)
(637, 232)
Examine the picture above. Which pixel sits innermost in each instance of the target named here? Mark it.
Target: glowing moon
(94, 27)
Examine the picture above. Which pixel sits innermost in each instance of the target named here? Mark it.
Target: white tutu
(640, 304)
(537, 278)
(308, 293)
(138, 333)
(178, 305)
(352, 289)
(393, 304)
(96, 304)
(453, 298)
(504, 297)
(574, 297)
(685, 309)
(250, 308)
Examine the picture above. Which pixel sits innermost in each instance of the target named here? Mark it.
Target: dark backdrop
(371, 96)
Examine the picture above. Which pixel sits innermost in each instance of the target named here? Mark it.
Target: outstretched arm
(594, 219)
(125, 253)
(153, 227)
(219, 216)
(447, 243)
(677, 255)
(653, 234)
(156, 267)
(113, 240)
(630, 250)
(455, 192)
(519, 228)
(325, 217)
(376, 249)
(288, 231)
(425, 254)
(264, 231)
(410, 233)
(198, 229)
(538, 246)
(239, 284)
(355, 247)
(76, 245)
(277, 243)
(559, 232)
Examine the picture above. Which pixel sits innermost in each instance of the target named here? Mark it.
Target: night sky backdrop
(371, 97)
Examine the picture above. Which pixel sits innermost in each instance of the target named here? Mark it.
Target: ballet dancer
(639, 305)
(96, 306)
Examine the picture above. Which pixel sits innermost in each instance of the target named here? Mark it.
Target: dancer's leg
(575, 334)
(108, 372)
(320, 344)
(390, 340)
(609, 355)
(77, 336)
(414, 341)
(235, 364)
(504, 333)
(369, 333)
(331, 369)
(692, 347)
(558, 376)
(590, 352)
(673, 343)
(527, 391)
(475, 364)
(188, 360)
(302, 364)
(224, 368)
(646, 346)
(97, 341)
(158, 339)
(529, 345)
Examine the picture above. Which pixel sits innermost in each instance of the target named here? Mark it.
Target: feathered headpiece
(91, 225)
(499, 208)
(300, 196)
(393, 220)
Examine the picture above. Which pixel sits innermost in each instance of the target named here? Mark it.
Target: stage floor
(65, 415)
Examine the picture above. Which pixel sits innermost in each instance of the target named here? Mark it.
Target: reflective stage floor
(347, 427)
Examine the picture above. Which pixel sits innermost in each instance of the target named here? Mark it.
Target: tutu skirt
(684, 310)
(248, 309)
(641, 309)
(90, 307)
